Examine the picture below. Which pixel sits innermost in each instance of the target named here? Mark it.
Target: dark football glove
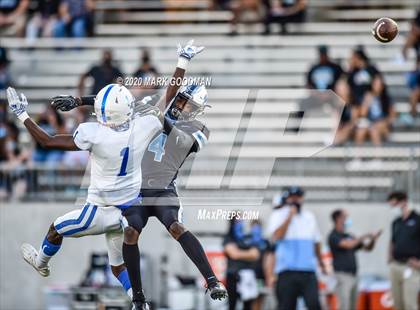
(64, 103)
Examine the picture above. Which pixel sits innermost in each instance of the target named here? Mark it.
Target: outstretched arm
(185, 54)
(18, 106)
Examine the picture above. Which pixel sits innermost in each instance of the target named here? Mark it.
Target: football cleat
(29, 255)
(217, 291)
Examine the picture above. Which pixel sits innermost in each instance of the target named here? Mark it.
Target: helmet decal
(104, 102)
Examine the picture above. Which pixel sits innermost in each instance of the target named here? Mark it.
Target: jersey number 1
(157, 146)
(124, 153)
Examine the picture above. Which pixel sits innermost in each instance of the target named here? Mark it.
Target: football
(385, 30)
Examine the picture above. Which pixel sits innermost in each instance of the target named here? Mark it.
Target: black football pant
(293, 284)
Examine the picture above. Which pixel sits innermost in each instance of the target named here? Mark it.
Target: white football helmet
(196, 95)
(114, 105)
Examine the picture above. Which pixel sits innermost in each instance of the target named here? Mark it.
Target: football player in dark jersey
(181, 135)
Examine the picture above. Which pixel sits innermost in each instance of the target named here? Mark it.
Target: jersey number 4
(157, 146)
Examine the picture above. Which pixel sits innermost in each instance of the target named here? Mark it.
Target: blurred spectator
(413, 38)
(284, 12)
(325, 73)
(102, 74)
(376, 114)
(242, 257)
(415, 92)
(53, 123)
(146, 68)
(13, 17)
(297, 248)
(347, 120)
(404, 253)
(147, 74)
(12, 159)
(344, 246)
(239, 7)
(360, 78)
(75, 18)
(44, 21)
(263, 246)
(413, 41)
(4, 69)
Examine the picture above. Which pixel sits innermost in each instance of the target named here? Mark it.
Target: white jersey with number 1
(116, 158)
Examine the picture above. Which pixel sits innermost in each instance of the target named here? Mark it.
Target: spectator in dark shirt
(44, 21)
(75, 18)
(404, 254)
(242, 256)
(344, 246)
(13, 17)
(284, 12)
(102, 74)
(325, 73)
(263, 246)
(376, 114)
(147, 74)
(361, 76)
(5, 79)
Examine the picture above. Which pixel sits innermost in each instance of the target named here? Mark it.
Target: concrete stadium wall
(21, 287)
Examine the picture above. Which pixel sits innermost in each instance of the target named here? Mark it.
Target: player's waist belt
(133, 202)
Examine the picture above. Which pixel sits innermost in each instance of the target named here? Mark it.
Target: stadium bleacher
(235, 64)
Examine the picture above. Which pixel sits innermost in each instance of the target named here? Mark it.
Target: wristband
(23, 116)
(183, 62)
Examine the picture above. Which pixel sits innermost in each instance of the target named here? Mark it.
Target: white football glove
(16, 104)
(187, 52)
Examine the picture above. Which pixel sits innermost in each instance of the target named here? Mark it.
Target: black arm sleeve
(88, 100)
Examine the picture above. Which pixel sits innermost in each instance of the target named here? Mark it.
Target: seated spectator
(413, 41)
(5, 79)
(376, 114)
(13, 176)
(284, 12)
(53, 123)
(347, 119)
(103, 74)
(75, 18)
(415, 91)
(239, 7)
(360, 78)
(13, 17)
(325, 73)
(44, 21)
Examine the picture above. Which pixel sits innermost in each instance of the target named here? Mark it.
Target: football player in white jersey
(117, 143)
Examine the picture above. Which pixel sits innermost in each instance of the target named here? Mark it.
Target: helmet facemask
(183, 108)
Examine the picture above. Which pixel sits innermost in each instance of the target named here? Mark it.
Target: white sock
(42, 259)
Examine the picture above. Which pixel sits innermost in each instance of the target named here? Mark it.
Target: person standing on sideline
(404, 253)
(297, 242)
(343, 248)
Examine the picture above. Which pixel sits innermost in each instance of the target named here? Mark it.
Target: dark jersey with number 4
(169, 148)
